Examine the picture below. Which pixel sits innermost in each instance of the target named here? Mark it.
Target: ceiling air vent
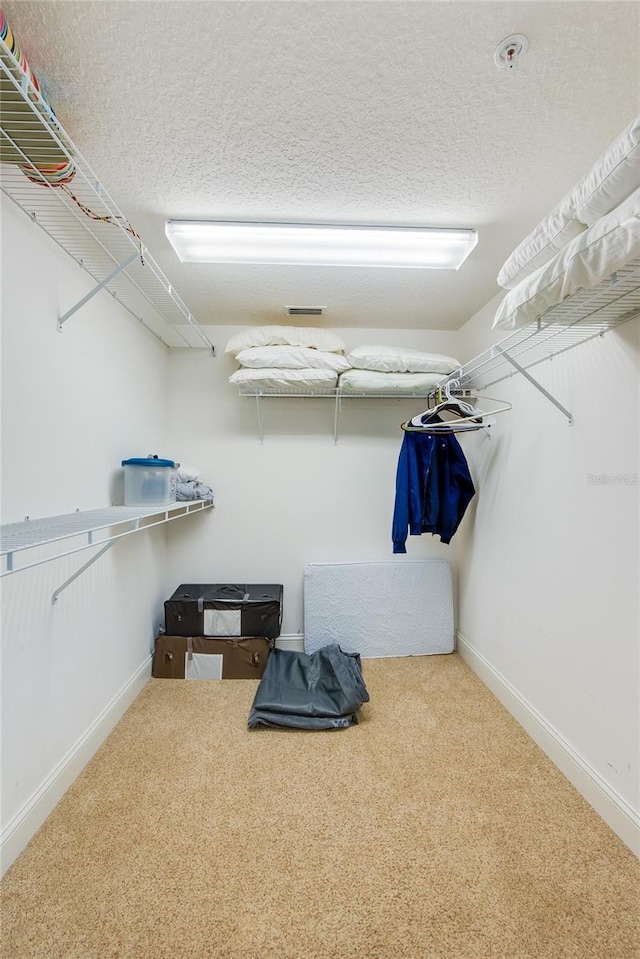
(304, 310)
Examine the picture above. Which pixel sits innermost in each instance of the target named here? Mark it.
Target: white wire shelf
(36, 541)
(335, 394)
(31, 135)
(588, 313)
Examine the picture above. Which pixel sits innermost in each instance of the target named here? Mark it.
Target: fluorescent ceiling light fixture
(229, 241)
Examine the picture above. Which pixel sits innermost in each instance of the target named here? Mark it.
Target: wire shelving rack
(589, 313)
(31, 136)
(37, 541)
(334, 393)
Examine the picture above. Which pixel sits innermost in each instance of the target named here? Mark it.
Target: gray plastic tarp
(323, 690)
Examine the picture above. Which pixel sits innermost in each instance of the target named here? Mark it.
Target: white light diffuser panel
(208, 241)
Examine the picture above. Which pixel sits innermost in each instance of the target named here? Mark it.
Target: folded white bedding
(311, 337)
(301, 381)
(373, 381)
(392, 359)
(550, 236)
(613, 177)
(291, 358)
(611, 243)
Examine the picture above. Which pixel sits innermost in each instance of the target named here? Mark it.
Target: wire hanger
(468, 417)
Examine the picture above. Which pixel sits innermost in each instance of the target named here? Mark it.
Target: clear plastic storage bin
(149, 481)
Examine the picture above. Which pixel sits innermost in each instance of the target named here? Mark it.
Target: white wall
(73, 405)
(298, 498)
(549, 561)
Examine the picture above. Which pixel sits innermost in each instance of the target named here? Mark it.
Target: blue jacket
(433, 487)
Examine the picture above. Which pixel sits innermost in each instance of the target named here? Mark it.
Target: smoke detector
(509, 51)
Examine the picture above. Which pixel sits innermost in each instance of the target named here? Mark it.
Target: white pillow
(550, 236)
(372, 381)
(607, 246)
(392, 359)
(614, 176)
(291, 358)
(285, 336)
(300, 381)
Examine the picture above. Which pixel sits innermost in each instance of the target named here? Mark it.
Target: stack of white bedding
(287, 359)
(390, 369)
(591, 233)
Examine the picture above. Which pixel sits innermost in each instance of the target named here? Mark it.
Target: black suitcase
(224, 609)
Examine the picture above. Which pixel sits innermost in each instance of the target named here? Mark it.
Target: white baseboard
(615, 810)
(294, 642)
(26, 822)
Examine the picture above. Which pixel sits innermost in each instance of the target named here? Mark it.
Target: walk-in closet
(320, 521)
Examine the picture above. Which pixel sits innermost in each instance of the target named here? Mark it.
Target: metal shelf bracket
(260, 430)
(336, 417)
(85, 299)
(79, 572)
(535, 383)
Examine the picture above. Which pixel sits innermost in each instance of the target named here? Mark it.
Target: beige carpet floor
(436, 829)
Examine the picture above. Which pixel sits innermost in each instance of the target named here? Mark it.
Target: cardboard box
(200, 657)
(224, 609)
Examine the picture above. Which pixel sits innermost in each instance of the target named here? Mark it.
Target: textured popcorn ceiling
(371, 112)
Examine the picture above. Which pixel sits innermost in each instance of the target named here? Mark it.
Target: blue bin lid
(148, 461)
